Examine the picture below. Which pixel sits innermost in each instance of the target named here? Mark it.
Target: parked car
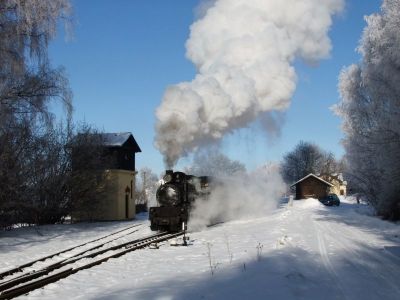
(330, 200)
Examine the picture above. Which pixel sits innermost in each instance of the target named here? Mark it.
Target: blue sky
(126, 52)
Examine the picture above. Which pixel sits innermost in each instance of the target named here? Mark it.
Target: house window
(131, 189)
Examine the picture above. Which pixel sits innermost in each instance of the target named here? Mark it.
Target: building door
(126, 206)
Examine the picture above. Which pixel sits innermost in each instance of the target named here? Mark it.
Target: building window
(131, 189)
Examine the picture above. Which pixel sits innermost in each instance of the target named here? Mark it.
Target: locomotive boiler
(176, 196)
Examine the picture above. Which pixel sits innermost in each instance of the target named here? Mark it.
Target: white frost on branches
(29, 25)
(370, 109)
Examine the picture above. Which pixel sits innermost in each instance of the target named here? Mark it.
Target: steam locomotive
(175, 197)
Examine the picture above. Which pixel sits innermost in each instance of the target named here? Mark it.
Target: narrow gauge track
(25, 284)
(31, 263)
(73, 258)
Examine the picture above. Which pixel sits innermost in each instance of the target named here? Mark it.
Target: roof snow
(115, 139)
(312, 175)
(120, 139)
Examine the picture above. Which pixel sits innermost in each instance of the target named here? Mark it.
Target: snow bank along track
(51, 273)
(29, 264)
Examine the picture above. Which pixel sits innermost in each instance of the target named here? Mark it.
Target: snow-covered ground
(304, 251)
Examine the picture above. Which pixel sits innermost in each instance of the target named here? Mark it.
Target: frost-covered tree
(146, 189)
(87, 179)
(370, 109)
(27, 85)
(307, 158)
(27, 81)
(214, 163)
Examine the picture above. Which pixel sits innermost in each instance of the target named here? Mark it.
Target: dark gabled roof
(121, 139)
(111, 140)
(312, 175)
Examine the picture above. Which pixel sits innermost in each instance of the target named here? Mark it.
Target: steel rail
(43, 271)
(21, 267)
(46, 270)
(16, 291)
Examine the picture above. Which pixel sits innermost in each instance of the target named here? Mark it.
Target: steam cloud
(239, 197)
(244, 52)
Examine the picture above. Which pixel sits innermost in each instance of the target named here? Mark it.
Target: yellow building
(339, 185)
(117, 190)
(119, 201)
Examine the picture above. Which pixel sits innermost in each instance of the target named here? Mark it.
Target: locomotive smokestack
(244, 52)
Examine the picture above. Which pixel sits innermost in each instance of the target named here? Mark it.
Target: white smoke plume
(241, 196)
(244, 52)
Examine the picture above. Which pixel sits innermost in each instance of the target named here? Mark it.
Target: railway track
(64, 268)
(71, 249)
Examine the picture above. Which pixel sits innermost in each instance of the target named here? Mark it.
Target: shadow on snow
(287, 273)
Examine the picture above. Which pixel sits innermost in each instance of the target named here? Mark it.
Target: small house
(312, 186)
